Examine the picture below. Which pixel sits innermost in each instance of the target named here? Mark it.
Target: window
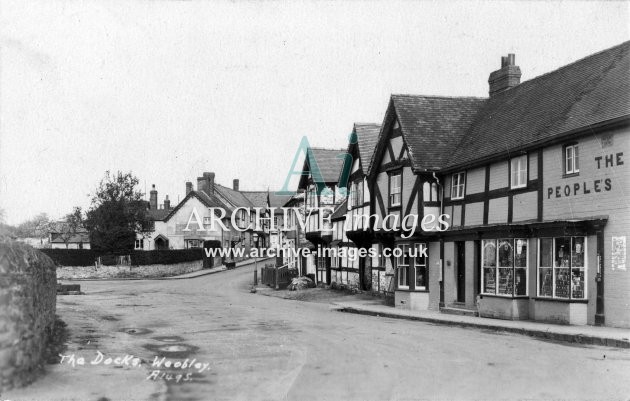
(139, 244)
(312, 197)
(275, 222)
(241, 218)
(504, 267)
(571, 159)
(562, 267)
(420, 263)
(430, 192)
(458, 186)
(394, 189)
(402, 264)
(356, 193)
(193, 243)
(518, 165)
(411, 266)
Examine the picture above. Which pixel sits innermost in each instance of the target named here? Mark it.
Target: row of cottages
(520, 199)
(188, 224)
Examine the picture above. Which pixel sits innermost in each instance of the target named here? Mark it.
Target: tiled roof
(341, 210)
(158, 214)
(278, 200)
(587, 92)
(329, 162)
(367, 136)
(236, 198)
(432, 126)
(257, 198)
(203, 197)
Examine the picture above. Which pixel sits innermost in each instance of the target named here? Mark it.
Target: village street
(261, 347)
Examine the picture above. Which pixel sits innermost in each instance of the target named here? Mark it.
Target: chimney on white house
(235, 184)
(188, 187)
(153, 204)
(507, 77)
(167, 203)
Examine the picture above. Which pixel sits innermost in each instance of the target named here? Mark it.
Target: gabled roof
(203, 197)
(328, 163)
(431, 126)
(366, 138)
(587, 92)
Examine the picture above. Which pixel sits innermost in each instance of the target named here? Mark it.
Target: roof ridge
(439, 96)
(626, 43)
(321, 148)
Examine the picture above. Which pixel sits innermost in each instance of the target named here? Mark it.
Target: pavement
(266, 348)
(608, 336)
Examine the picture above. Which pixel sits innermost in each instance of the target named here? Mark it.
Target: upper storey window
(458, 186)
(571, 159)
(518, 166)
(395, 189)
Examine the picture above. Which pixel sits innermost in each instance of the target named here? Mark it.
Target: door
(365, 274)
(461, 271)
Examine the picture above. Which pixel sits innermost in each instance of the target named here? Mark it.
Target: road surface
(259, 347)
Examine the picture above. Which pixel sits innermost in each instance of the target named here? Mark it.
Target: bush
(87, 257)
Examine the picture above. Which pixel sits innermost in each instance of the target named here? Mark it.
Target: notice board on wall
(618, 257)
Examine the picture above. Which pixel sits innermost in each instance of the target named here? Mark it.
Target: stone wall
(149, 271)
(27, 311)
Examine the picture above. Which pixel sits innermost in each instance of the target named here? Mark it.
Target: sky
(170, 89)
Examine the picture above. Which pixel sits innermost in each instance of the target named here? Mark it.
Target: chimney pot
(511, 59)
(188, 187)
(167, 203)
(235, 184)
(209, 178)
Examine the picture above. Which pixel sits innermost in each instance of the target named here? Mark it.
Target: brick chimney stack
(188, 187)
(201, 183)
(167, 203)
(235, 184)
(209, 178)
(507, 77)
(153, 204)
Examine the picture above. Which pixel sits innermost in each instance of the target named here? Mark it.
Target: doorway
(461, 271)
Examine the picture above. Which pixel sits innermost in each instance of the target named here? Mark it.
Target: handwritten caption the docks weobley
(160, 368)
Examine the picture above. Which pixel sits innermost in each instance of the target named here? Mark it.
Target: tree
(71, 225)
(36, 227)
(117, 213)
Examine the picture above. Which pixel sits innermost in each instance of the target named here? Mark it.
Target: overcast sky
(171, 89)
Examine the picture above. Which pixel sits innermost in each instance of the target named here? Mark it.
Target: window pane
(563, 282)
(576, 159)
(489, 254)
(562, 252)
(489, 280)
(545, 280)
(520, 281)
(577, 283)
(505, 281)
(434, 192)
(421, 276)
(426, 192)
(545, 252)
(506, 253)
(520, 253)
(577, 252)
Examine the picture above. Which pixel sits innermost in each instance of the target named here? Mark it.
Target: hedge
(87, 257)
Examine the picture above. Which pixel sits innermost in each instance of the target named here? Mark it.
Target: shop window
(571, 159)
(394, 189)
(562, 268)
(518, 166)
(458, 185)
(504, 267)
